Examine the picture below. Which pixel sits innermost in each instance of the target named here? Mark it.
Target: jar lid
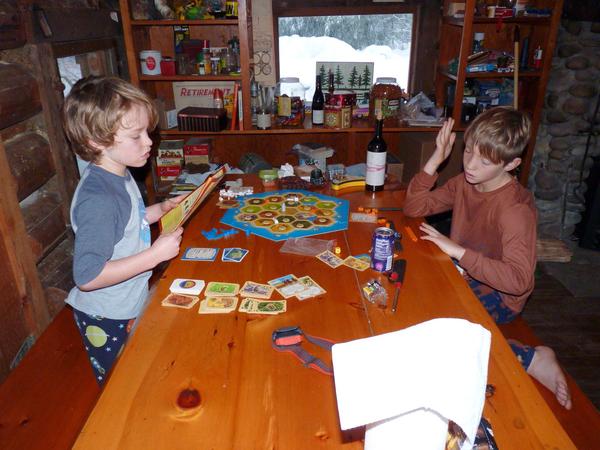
(385, 80)
(289, 80)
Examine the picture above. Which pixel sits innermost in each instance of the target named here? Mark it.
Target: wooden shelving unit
(158, 35)
(456, 41)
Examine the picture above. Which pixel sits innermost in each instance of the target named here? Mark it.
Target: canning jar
(386, 97)
(289, 101)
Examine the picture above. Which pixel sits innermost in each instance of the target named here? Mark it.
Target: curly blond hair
(94, 109)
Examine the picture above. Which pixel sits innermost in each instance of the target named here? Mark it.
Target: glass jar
(386, 97)
(289, 100)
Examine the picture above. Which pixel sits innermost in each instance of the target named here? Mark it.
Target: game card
(310, 288)
(186, 286)
(257, 306)
(364, 257)
(330, 259)
(179, 301)
(234, 254)
(218, 305)
(286, 285)
(219, 289)
(356, 264)
(257, 290)
(200, 254)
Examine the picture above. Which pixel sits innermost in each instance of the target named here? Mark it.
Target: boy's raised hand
(443, 146)
(166, 245)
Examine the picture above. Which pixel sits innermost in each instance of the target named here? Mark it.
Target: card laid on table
(200, 254)
(179, 301)
(257, 306)
(356, 264)
(219, 289)
(311, 288)
(256, 290)
(286, 285)
(331, 259)
(218, 305)
(234, 254)
(186, 286)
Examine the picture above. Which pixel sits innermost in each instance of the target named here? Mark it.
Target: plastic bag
(306, 246)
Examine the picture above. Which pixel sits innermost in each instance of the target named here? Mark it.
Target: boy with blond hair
(107, 121)
(493, 233)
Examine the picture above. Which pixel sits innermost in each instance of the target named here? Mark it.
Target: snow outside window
(384, 39)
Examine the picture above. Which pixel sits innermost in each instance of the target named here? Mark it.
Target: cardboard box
(197, 150)
(168, 169)
(171, 149)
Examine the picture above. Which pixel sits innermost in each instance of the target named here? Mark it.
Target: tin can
(338, 109)
(382, 249)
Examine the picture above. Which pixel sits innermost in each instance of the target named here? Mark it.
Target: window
(384, 39)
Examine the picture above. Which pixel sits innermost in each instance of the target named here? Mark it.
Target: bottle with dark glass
(376, 159)
(330, 87)
(318, 104)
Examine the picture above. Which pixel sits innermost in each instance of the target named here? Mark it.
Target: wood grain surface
(254, 397)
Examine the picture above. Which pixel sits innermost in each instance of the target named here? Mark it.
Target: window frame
(396, 8)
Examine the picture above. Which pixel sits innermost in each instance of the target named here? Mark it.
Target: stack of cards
(218, 305)
(258, 306)
(303, 288)
(219, 289)
(179, 301)
(187, 286)
(233, 254)
(200, 254)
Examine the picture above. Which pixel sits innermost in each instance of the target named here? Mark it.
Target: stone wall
(570, 102)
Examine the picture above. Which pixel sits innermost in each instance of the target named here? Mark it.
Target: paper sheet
(439, 365)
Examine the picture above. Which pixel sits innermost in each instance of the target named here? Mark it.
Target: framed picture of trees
(349, 76)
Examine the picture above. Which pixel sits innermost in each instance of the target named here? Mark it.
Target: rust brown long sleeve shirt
(497, 229)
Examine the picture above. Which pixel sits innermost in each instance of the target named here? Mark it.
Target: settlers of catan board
(279, 215)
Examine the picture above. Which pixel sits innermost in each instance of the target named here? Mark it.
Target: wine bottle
(318, 104)
(376, 159)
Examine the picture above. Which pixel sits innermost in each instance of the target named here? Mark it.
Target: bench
(47, 398)
(582, 422)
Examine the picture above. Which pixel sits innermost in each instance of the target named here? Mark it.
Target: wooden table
(255, 397)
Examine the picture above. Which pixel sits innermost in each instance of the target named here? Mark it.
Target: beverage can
(382, 249)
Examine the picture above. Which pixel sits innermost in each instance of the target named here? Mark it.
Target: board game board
(279, 215)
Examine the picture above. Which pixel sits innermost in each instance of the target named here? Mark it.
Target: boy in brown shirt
(493, 233)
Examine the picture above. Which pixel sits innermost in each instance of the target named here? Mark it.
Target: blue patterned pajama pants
(492, 302)
(103, 340)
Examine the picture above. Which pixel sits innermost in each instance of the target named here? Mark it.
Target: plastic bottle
(376, 159)
(318, 104)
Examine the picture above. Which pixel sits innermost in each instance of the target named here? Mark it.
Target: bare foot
(544, 368)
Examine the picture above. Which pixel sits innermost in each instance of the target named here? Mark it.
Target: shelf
(207, 22)
(190, 78)
(529, 20)
(522, 74)
(366, 129)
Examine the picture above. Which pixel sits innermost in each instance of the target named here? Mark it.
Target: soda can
(382, 249)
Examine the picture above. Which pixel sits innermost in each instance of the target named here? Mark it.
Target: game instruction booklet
(182, 212)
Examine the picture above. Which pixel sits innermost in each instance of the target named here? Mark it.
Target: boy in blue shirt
(107, 122)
